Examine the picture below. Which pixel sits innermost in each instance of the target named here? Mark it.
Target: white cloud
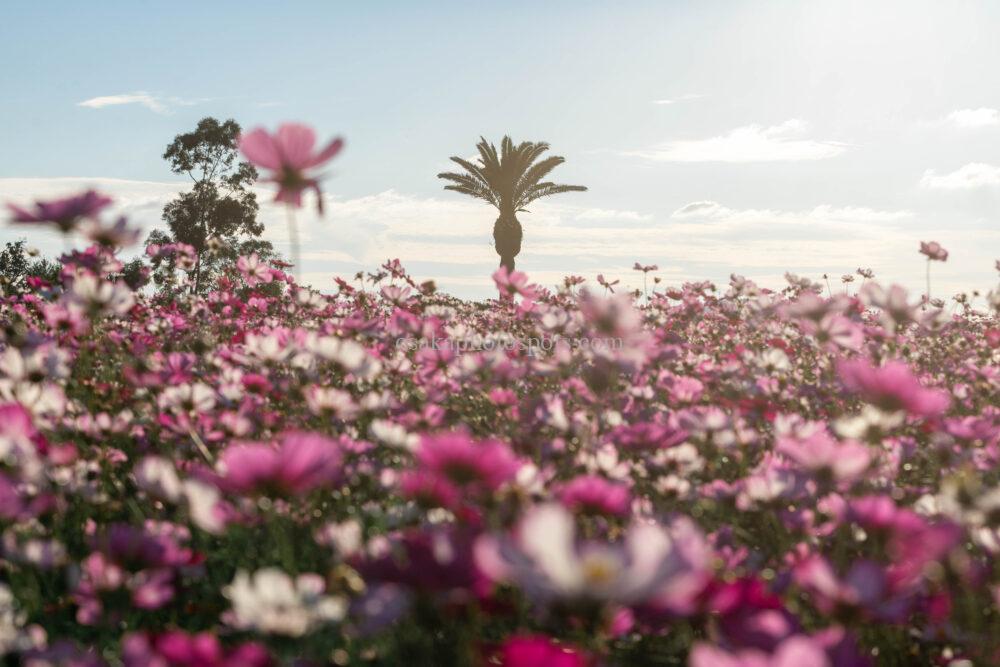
(751, 143)
(972, 175)
(973, 118)
(682, 98)
(154, 103)
(719, 218)
(448, 239)
(610, 214)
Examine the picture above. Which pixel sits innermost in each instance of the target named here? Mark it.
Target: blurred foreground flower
(289, 154)
(64, 213)
(301, 463)
(270, 601)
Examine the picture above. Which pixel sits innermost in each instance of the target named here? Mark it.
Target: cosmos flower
(511, 284)
(606, 284)
(538, 650)
(118, 235)
(289, 154)
(891, 387)
(933, 251)
(272, 602)
(594, 494)
(825, 456)
(545, 559)
(176, 648)
(300, 463)
(796, 651)
(466, 462)
(64, 213)
(253, 270)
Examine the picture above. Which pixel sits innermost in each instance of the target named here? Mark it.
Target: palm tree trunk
(507, 235)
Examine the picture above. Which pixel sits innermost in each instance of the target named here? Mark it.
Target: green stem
(928, 280)
(293, 240)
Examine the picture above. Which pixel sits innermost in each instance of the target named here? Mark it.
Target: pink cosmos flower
(430, 490)
(140, 562)
(892, 387)
(835, 331)
(64, 213)
(933, 251)
(595, 495)
(824, 455)
(538, 650)
(797, 651)
(176, 648)
(606, 284)
(289, 154)
(893, 302)
(465, 462)
(511, 284)
(118, 235)
(865, 587)
(253, 270)
(300, 463)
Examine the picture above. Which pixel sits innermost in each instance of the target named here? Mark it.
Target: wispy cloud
(968, 177)
(155, 103)
(750, 143)
(612, 214)
(702, 239)
(675, 100)
(824, 214)
(973, 118)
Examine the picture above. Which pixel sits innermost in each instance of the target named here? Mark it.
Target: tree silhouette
(509, 181)
(17, 264)
(220, 206)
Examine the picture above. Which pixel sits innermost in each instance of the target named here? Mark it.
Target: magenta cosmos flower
(537, 650)
(464, 462)
(933, 251)
(892, 387)
(176, 647)
(64, 213)
(591, 494)
(289, 154)
(300, 463)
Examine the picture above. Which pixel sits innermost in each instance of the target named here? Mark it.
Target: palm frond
(547, 190)
(475, 170)
(471, 186)
(509, 178)
(536, 173)
(488, 154)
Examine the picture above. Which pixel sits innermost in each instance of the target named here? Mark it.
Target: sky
(715, 137)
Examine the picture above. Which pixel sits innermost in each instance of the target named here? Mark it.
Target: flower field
(711, 476)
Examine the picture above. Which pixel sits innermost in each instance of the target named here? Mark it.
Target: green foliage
(511, 179)
(17, 264)
(220, 210)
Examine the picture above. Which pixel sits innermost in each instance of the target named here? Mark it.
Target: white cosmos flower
(548, 561)
(270, 601)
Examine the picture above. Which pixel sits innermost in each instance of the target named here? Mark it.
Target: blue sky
(815, 135)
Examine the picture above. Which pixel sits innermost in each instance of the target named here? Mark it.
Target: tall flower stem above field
(293, 241)
(289, 155)
(934, 253)
(645, 270)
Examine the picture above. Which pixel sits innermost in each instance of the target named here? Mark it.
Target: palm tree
(510, 182)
